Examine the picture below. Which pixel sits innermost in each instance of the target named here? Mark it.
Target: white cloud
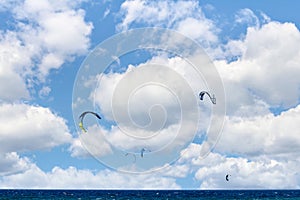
(50, 61)
(175, 170)
(264, 76)
(247, 16)
(13, 59)
(77, 150)
(11, 163)
(267, 174)
(65, 32)
(42, 39)
(153, 106)
(73, 178)
(25, 128)
(262, 172)
(44, 92)
(209, 173)
(274, 136)
(184, 16)
(12, 86)
(94, 142)
(195, 29)
(6, 4)
(106, 12)
(156, 100)
(244, 173)
(143, 99)
(267, 69)
(284, 134)
(57, 32)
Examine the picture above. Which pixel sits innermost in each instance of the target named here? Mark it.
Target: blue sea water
(149, 194)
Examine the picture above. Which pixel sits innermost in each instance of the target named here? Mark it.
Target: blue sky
(252, 45)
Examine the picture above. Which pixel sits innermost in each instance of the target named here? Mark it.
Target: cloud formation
(42, 39)
(267, 68)
(27, 128)
(39, 38)
(273, 136)
(258, 148)
(22, 124)
(260, 73)
(73, 178)
(186, 17)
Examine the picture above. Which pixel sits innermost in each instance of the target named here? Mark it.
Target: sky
(141, 65)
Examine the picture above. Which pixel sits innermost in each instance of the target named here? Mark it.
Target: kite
(82, 116)
(212, 98)
(133, 155)
(227, 177)
(143, 150)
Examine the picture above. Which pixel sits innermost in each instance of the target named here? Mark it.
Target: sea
(149, 194)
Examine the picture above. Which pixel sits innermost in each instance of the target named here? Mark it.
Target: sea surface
(149, 194)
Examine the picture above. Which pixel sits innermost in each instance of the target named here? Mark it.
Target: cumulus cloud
(53, 30)
(169, 68)
(23, 124)
(209, 173)
(78, 150)
(94, 142)
(42, 39)
(150, 106)
(156, 101)
(265, 146)
(186, 17)
(28, 128)
(74, 178)
(263, 78)
(265, 75)
(274, 136)
(244, 173)
(12, 90)
(249, 174)
(267, 68)
(12, 163)
(13, 58)
(247, 16)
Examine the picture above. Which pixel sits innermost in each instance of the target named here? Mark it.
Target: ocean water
(149, 194)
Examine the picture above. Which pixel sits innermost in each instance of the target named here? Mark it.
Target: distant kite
(144, 150)
(227, 177)
(83, 115)
(133, 155)
(212, 98)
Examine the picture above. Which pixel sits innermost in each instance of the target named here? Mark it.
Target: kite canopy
(143, 150)
(133, 155)
(212, 98)
(227, 177)
(83, 115)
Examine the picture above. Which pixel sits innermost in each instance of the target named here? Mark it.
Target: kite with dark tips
(227, 177)
(144, 150)
(83, 115)
(212, 98)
